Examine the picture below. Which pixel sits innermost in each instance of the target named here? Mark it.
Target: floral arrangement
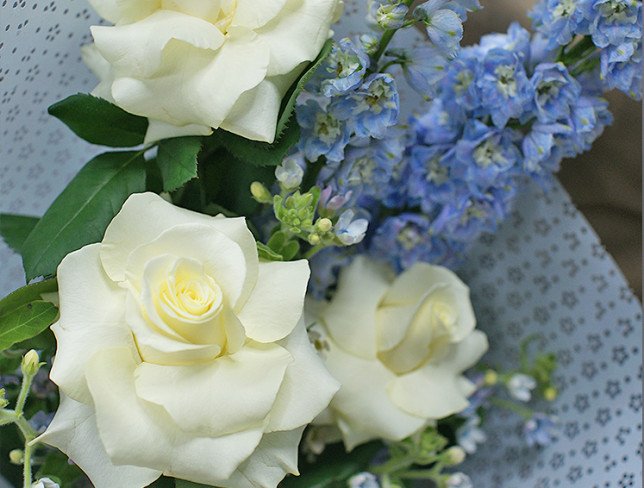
(259, 285)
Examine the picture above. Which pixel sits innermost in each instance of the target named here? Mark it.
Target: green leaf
(177, 160)
(99, 121)
(82, 212)
(333, 468)
(25, 322)
(290, 250)
(288, 103)
(259, 153)
(287, 133)
(24, 314)
(189, 484)
(267, 253)
(14, 229)
(57, 466)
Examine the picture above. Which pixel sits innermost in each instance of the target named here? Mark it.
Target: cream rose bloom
(398, 345)
(179, 353)
(193, 65)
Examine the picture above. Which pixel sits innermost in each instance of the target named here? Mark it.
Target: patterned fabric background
(545, 271)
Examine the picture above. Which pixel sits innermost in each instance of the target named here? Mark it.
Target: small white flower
(520, 387)
(350, 231)
(459, 480)
(469, 435)
(289, 173)
(363, 480)
(45, 483)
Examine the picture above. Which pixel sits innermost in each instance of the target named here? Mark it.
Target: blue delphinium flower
(469, 435)
(516, 40)
(621, 67)
(442, 123)
(459, 85)
(459, 480)
(373, 107)
(555, 92)
(444, 25)
(472, 215)
(539, 430)
(423, 67)
(504, 86)
(350, 230)
(323, 133)
(325, 266)
(611, 22)
(343, 69)
(363, 480)
(386, 14)
(405, 239)
(430, 181)
(483, 153)
(559, 20)
(371, 170)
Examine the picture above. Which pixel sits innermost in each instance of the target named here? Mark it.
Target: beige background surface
(605, 183)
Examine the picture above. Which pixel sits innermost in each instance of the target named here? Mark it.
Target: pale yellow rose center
(431, 325)
(190, 294)
(218, 12)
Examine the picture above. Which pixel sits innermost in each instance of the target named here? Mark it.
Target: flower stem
(27, 465)
(22, 396)
(384, 42)
(524, 412)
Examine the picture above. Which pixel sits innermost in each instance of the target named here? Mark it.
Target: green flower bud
(455, 455)
(17, 456)
(550, 393)
(324, 225)
(3, 399)
(314, 239)
(491, 377)
(30, 363)
(260, 192)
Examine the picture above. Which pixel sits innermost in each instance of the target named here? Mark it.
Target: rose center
(190, 293)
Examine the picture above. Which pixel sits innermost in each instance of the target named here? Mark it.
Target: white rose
(193, 65)
(179, 353)
(398, 345)
(45, 483)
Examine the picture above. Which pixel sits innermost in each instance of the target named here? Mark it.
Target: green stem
(420, 474)
(522, 411)
(392, 466)
(313, 251)
(27, 465)
(22, 396)
(384, 42)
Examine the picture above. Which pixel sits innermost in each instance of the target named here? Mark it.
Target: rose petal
(137, 49)
(275, 456)
(255, 13)
(191, 87)
(145, 216)
(158, 130)
(424, 279)
(73, 431)
(307, 388)
(118, 11)
(437, 390)
(137, 432)
(363, 407)
(236, 392)
(297, 34)
(91, 317)
(275, 304)
(351, 317)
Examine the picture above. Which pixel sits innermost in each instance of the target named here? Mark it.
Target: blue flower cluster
(498, 113)
(345, 105)
(613, 26)
(499, 117)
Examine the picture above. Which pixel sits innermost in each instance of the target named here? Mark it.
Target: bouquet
(258, 285)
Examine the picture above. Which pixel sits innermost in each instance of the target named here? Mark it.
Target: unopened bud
(30, 363)
(17, 456)
(455, 455)
(314, 239)
(550, 393)
(491, 377)
(260, 192)
(324, 225)
(3, 400)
